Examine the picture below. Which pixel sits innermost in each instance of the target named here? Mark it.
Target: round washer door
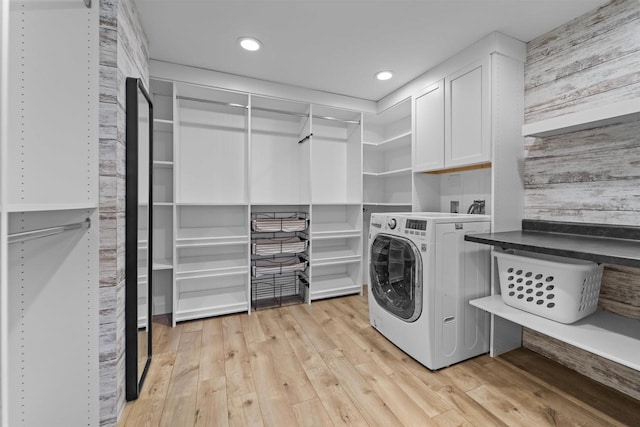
(395, 268)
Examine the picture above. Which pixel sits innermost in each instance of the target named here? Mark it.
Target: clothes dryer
(422, 274)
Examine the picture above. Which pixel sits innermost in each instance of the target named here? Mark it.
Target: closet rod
(45, 232)
(209, 101)
(272, 110)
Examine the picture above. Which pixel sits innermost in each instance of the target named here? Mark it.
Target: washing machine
(422, 274)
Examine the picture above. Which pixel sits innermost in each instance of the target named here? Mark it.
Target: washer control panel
(415, 227)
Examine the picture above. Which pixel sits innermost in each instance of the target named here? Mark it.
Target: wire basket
(557, 288)
(277, 291)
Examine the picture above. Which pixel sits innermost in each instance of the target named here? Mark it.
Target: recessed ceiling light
(384, 75)
(249, 43)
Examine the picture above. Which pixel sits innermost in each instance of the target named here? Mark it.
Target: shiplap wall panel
(580, 30)
(123, 53)
(554, 65)
(593, 60)
(591, 175)
(619, 292)
(602, 370)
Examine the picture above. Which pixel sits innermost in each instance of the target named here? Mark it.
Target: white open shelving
(606, 334)
(163, 97)
(49, 319)
(220, 155)
(387, 169)
(620, 112)
(336, 251)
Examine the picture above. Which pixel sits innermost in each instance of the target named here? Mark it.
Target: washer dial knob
(392, 223)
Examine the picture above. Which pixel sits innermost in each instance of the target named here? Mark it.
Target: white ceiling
(337, 45)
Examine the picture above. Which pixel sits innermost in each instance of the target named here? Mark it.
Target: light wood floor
(323, 364)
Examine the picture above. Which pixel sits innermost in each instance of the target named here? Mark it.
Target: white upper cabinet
(467, 106)
(429, 128)
(452, 120)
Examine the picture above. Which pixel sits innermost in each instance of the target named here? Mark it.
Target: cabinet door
(429, 123)
(467, 123)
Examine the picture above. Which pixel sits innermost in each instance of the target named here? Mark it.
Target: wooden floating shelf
(620, 112)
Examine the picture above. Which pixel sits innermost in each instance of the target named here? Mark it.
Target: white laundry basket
(558, 288)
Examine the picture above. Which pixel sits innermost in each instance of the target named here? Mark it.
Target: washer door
(395, 267)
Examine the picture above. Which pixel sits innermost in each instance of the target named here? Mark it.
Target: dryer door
(395, 268)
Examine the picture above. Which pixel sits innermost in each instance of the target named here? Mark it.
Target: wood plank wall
(592, 175)
(123, 53)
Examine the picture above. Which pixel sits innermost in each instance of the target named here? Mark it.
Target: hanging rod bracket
(305, 138)
(87, 3)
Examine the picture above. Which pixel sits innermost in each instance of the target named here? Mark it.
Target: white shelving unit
(49, 228)
(336, 156)
(211, 255)
(163, 96)
(606, 334)
(336, 250)
(212, 202)
(387, 157)
(211, 146)
(280, 152)
(221, 155)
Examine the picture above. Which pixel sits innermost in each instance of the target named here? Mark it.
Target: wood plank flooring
(324, 365)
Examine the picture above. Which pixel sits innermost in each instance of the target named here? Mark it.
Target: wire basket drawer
(278, 245)
(557, 288)
(283, 265)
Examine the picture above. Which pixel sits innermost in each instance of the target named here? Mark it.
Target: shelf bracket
(87, 3)
(305, 138)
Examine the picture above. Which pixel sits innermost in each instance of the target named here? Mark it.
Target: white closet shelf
(162, 125)
(332, 252)
(620, 112)
(162, 264)
(207, 303)
(180, 203)
(211, 236)
(395, 172)
(606, 334)
(334, 230)
(337, 203)
(210, 266)
(334, 255)
(17, 207)
(388, 204)
(398, 139)
(162, 164)
(327, 286)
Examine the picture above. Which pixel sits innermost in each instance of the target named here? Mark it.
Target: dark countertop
(588, 247)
